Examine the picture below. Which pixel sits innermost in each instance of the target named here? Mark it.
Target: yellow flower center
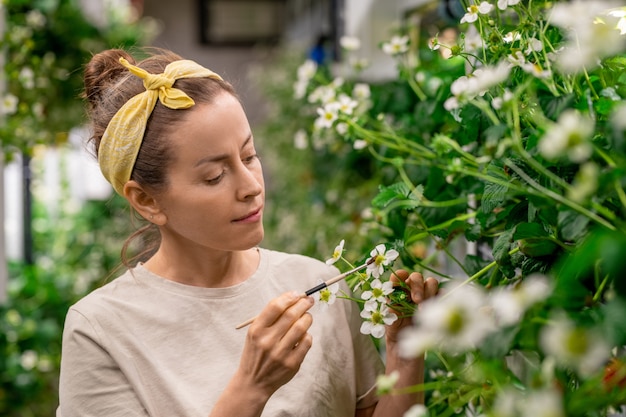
(576, 342)
(377, 318)
(379, 259)
(455, 322)
(325, 295)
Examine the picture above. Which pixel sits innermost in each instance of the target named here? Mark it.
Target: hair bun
(102, 71)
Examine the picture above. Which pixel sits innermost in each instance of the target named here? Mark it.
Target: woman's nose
(250, 183)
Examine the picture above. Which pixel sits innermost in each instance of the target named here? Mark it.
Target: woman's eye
(251, 158)
(215, 180)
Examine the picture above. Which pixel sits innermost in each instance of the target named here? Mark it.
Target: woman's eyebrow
(221, 157)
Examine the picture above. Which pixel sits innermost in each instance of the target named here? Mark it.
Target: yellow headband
(122, 138)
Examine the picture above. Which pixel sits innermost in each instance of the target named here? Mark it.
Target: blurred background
(63, 225)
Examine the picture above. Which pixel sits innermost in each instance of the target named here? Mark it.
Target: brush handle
(314, 289)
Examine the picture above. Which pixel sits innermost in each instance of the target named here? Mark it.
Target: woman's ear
(144, 203)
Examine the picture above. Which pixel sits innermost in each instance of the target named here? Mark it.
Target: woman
(160, 340)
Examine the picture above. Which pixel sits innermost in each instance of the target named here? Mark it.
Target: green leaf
(498, 345)
(603, 106)
(614, 323)
(502, 246)
(473, 232)
(387, 195)
(493, 197)
(572, 226)
(529, 230)
(600, 255)
(553, 106)
(495, 133)
(473, 263)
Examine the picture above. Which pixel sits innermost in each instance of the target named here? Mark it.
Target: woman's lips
(251, 217)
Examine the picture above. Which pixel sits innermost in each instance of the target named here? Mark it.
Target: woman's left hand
(419, 289)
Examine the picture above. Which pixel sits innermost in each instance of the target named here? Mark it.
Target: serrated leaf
(493, 197)
(502, 245)
(398, 192)
(473, 232)
(386, 195)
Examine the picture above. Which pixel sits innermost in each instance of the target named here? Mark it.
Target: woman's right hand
(277, 343)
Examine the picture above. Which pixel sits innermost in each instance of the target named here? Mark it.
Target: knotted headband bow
(122, 138)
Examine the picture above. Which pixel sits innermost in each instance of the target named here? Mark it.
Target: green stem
(391, 140)
(505, 182)
(426, 386)
(423, 201)
(598, 294)
(486, 108)
(609, 161)
(461, 217)
(428, 268)
(450, 255)
(478, 274)
(443, 361)
(559, 198)
(593, 91)
(416, 89)
(620, 192)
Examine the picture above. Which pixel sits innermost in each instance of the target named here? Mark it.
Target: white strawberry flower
(382, 258)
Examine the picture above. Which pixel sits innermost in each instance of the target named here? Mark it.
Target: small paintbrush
(319, 287)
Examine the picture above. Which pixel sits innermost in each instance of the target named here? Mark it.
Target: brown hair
(108, 86)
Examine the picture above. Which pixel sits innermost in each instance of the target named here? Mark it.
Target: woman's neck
(218, 269)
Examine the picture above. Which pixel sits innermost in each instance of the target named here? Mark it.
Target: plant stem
(478, 274)
(425, 233)
(576, 207)
(598, 294)
(416, 89)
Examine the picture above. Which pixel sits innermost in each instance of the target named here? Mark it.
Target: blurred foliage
(46, 43)
(318, 194)
(495, 156)
(76, 247)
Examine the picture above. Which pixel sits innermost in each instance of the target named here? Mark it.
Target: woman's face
(215, 193)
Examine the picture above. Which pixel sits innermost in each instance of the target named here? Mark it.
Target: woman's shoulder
(115, 289)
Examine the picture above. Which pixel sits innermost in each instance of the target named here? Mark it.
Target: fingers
(420, 289)
(277, 342)
(285, 320)
(276, 309)
(431, 287)
(297, 332)
(399, 276)
(299, 350)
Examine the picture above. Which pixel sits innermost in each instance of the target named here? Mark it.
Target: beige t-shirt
(146, 346)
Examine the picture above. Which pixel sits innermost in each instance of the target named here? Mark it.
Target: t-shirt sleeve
(91, 383)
